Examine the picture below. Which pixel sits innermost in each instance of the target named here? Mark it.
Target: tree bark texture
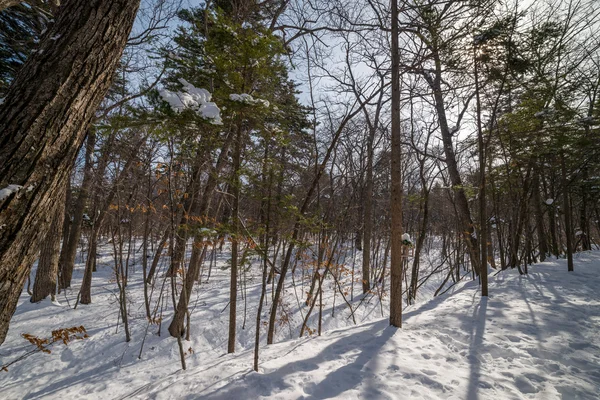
(47, 270)
(43, 121)
(396, 184)
(234, 244)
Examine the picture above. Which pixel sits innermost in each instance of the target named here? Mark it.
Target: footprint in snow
(393, 368)
(525, 385)
(513, 338)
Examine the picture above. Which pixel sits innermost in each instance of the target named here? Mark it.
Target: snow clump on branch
(193, 98)
(247, 99)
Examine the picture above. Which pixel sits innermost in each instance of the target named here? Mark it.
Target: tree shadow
(369, 341)
(476, 343)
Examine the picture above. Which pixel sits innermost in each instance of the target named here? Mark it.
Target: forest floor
(536, 336)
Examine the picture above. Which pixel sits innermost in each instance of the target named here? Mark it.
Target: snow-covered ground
(537, 336)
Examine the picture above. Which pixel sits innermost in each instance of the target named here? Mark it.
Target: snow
(536, 337)
(10, 189)
(406, 239)
(247, 99)
(549, 201)
(193, 98)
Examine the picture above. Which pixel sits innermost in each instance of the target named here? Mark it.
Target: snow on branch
(247, 99)
(195, 99)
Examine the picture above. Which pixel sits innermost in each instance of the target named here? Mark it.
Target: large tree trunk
(482, 192)
(75, 232)
(47, 270)
(396, 184)
(43, 121)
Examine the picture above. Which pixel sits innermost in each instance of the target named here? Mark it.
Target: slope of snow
(537, 336)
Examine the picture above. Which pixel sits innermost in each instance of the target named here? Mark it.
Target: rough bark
(42, 124)
(482, 192)
(234, 244)
(396, 184)
(47, 269)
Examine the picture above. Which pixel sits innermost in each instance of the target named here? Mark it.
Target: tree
(47, 269)
(396, 184)
(43, 121)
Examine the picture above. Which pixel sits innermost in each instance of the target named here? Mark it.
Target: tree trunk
(482, 193)
(539, 215)
(368, 214)
(75, 231)
(234, 243)
(396, 184)
(567, 210)
(42, 124)
(90, 265)
(176, 326)
(265, 215)
(66, 229)
(47, 270)
(157, 255)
